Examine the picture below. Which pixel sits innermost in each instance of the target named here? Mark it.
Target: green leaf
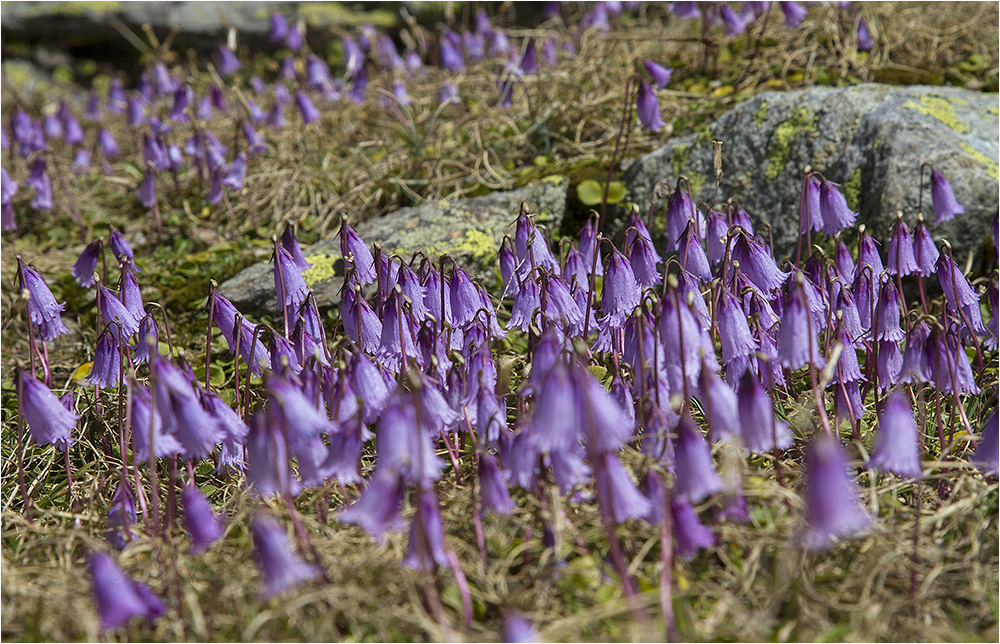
(591, 192)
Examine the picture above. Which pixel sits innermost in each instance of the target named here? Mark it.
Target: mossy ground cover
(927, 571)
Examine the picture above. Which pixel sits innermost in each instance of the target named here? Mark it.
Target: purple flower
(108, 146)
(613, 483)
(279, 28)
(228, 62)
(180, 411)
(621, 290)
(183, 96)
(492, 488)
(282, 568)
(734, 330)
(377, 509)
(647, 108)
(696, 475)
(832, 507)
(146, 418)
(130, 295)
(900, 257)
(761, 431)
(660, 75)
(119, 598)
(237, 173)
(288, 282)
(691, 535)
(864, 36)
(39, 180)
(426, 550)
(867, 256)
(43, 310)
(943, 198)
(896, 448)
(294, 38)
(199, 520)
(49, 422)
(985, 456)
(112, 309)
(924, 249)
(797, 345)
(833, 207)
(353, 249)
(757, 264)
(794, 13)
(106, 369)
(306, 107)
(518, 629)
(718, 402)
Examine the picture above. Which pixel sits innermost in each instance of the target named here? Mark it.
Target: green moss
(760, 115)
(940, 109)
(991, 164)
(852, 189)
(321, 270)
(697, 180)
(781, 141)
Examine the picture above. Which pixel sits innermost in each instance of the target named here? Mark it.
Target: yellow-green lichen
(852, 189)
(678, 158)
(697, 180)
(479, 244)
(958, 101)
(991, 165)
(760, 115)
(940, 109)
(993, 109)
(75, 8)
(321, 269)
(781, 141)
(334, 14)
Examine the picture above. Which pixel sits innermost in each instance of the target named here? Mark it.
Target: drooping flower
(761, 432)
(106, 369)
(120, 598)
(867, 256)
(647, 108)
(352, 247)
(426, 549)
(49, 422)
(797, 345)
(146, 420)
(734, 330)
(833, 206)
(985, 456)
(109, 148)
(282, 568)
(493, 491)
(943, 198)
(112, 309)
(794, 13)
(621, 290)
(200, 520)
(288, 281)
(279, 28)
(900, 259)
(691, 535)
(832, 508)
(864, 36)
(896, 449)
(308, 111)
(887, 314)
(924, 249)
(757, 264)
(180, 411)
(40, 181)
(43, 310)
(518, 629)
(660, 75)
(734, 22)
(613, 483)
(696, 475)
(228, 62)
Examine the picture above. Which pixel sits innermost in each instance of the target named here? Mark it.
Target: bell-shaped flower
(228, 62)
(306, 108)
(620, 294)
(354, 249)
(690, 533)
(896, 449)
(797, 345)
(145, 421)
(49, 422)
(237, 173)
(734, 23)
(39, 180)
(660, 75)
(888, 364)
(809, 204)
(403, 446)
(833, 206)
(112, 309)
(734, 330)
(900, 259)
(985, 456)
(844, 262)
(692, 254)
(718, 402)
(361, 323)
(867, 256)
(118, 597)
(959, 293)
(613, 483)
(181, 413)
(696, 475)
(377, 510)
(282, 568)
(887, 314)
(761, 431)
(647, 108)
(279, 28)
(864, 36)
(832, 508)
(527, 300)
(426, 549)
(200, 520)
(589, 246)
(43, 310)
(106, 369)
(532, 249)
(943, 198)
(680, 210)
(493, 492)
(757, 264)
(924, 249)
(288, 282)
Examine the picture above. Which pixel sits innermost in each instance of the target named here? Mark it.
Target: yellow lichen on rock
(940, 109)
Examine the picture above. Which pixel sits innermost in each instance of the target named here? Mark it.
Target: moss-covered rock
(870, 138)
(470, 230)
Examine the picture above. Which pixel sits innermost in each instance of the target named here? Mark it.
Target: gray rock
(870, 138)
(470, 230)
